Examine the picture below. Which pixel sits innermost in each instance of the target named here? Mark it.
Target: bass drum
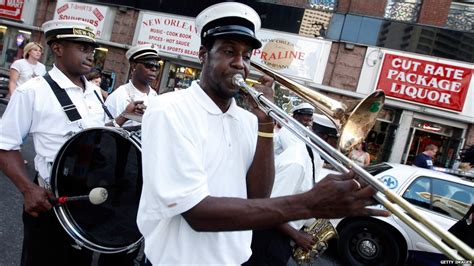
(100, 157)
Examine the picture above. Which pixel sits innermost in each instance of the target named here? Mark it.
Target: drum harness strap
(66, 103)
(68, 107)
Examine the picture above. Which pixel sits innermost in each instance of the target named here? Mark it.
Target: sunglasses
(150, 65)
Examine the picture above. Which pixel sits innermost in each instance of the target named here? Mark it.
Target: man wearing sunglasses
(144, 62)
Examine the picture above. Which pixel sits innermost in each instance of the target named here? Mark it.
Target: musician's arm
(35, 197)
(301, 238)
(334, 196)
(233, 214)
(14, 127)
(261, 174)
(262, 171)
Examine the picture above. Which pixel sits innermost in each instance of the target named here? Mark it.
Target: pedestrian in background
(96, 78)
(360, 155)
(26, 68)
(425, 159)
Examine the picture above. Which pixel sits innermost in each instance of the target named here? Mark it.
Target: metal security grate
(403, 10)
(324, 5)
(461, 17)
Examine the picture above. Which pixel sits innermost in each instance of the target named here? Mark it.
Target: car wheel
(367, 243)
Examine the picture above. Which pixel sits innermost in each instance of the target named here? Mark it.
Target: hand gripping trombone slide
(430, 231)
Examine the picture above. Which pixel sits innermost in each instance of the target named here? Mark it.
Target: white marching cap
(229, 18)
(142, 51)
(70, 30)
(323, 121)
(303, 108)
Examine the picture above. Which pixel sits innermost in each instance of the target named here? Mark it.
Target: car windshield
(378, 168)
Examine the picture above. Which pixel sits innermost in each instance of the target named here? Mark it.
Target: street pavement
(11, 226)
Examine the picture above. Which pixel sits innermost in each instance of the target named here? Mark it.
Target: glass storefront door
(446, 138)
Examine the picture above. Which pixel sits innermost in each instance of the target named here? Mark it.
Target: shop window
(180, 77)
(461, 17)
(12, 42)
(403, 10)
(99, 57)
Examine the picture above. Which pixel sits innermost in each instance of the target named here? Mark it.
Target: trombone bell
(352, 127)
(360, 121)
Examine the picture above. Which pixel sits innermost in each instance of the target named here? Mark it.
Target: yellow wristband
(265, 134)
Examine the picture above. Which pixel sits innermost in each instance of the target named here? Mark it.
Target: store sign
(11, 9)
(93, 14)
(289, 54)
(425, 82)
(293, 55)
(171, 34)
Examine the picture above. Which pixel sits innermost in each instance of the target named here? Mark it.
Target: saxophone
(322, 231)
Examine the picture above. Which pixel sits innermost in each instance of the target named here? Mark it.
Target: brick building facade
(347, 62)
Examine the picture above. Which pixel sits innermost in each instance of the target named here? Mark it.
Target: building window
(403, 10)
(461, 17)
(325, 5)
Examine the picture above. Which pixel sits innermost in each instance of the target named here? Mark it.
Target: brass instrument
(322, 231)
(353, 128)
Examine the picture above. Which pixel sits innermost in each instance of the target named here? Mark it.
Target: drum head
(100, 157)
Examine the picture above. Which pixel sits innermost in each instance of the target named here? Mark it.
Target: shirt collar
(151, 92)
(64, 82)
(207, 103)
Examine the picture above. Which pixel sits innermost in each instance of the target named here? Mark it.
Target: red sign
(11, 9)
(425, 82)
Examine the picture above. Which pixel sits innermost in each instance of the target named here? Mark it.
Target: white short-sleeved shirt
(192, 150)
(27, 71)
(284, 138)
(294, 173)
(118, 100)
(34, 109)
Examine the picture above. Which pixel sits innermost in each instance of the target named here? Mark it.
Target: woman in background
(29, 67)
(95, 77)
(359, 155)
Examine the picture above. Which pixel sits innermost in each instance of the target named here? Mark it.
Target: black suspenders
(68, 107)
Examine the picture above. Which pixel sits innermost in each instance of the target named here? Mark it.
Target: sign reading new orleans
(425, 82)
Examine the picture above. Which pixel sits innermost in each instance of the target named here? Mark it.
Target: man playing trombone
(208, 165)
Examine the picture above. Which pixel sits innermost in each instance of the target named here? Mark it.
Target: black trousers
(269, 247)
(46, 243)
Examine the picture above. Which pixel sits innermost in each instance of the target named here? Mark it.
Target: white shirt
(294, 174)
(27, 71)
(118, 100)
(284, 138)
(34, 109)
(192, 150)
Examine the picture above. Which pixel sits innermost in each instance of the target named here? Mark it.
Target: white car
(442, 198)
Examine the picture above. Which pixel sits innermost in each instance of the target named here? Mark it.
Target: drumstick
(97, 196)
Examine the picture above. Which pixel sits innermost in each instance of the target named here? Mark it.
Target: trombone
(352, 128)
